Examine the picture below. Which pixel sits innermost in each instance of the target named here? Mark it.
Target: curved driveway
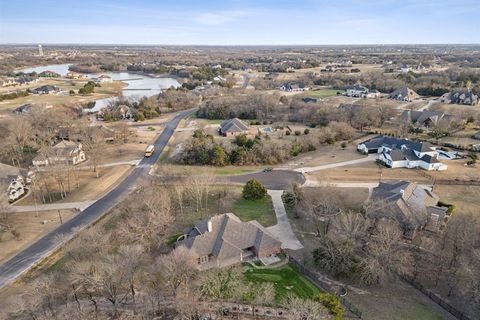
(39, 250)
(273, 180)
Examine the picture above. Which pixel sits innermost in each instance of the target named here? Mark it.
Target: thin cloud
(219, 18)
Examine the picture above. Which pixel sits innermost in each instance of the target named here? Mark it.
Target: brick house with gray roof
(224, 240)
(412, 206)
(233, 127)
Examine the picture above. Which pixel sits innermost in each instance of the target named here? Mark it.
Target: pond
(138, 85)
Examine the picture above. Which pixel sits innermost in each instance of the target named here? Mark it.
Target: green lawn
(285, 279)
(260, 210)
(322, 93)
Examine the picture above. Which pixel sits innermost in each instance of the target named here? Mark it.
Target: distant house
(64, 152)
(74, 133)
(24, 108)
(359, 91)
(48, 89)
(404, 94)
(424, 119)
(412, 206)
(75, 75)
(225, 240)
(233, 127)
(49, 74)
(16, 181)
(103, 79)
(117, 112)
(402, 153)
(460, 97)
(288, 87)
(219, 79)
(311, 100)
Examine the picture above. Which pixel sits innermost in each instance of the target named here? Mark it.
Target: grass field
(321, 93)
(260, 210)
(286, 280)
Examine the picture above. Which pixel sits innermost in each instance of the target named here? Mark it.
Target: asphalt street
(39, 250)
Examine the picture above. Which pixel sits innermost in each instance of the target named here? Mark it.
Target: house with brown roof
(224, 240)
(404, 94)
(64, 152)
(414, 207)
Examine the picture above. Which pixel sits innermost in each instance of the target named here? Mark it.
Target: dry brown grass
(30, 228)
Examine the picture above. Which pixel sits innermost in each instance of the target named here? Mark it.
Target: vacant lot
(321, 93)
(397, 301)
(366, 172)
(286, 280)
(89, 187)
(326, 154)
(465, 198)
(29, 227)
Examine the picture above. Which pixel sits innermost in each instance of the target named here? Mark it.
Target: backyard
(286, 280)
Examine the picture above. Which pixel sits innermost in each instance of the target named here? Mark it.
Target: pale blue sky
(236, 22)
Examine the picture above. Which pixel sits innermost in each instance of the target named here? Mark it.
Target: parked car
(267, 169)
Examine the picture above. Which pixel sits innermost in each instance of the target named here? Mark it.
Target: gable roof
(394, 143)
(228, 237)
(409, 203)
(233, 125)
(403, 93)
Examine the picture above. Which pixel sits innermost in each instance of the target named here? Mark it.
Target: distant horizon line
(234, 45)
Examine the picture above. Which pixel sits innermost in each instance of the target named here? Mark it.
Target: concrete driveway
(274, 180)
(282, 231)
(369, 158)
(52, 206)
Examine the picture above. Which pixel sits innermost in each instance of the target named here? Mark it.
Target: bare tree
(178, 268)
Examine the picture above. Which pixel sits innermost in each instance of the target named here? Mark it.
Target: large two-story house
(402, 153)
(360, 91)
(64, 152)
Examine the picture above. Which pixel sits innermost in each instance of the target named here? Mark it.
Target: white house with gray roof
(404, 94)
(460, 97)
(402, 153)
(224, 240)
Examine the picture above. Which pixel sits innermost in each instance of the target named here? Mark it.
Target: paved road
(273, 180)
(282, 231)
(35, 253)
(369, 158)
(53, 206)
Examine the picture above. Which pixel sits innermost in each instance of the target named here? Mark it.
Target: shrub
(332, 303)
(306, 131)
(450, 206)
(71, 92)
(344, 145)
(331, 140)
(254, 190)
(287, 132)
(297, 132)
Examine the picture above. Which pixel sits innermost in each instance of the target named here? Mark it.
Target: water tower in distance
(40, 50)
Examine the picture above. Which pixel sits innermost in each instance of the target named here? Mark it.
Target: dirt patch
(326, 154)
(30, 228)
(366, 172)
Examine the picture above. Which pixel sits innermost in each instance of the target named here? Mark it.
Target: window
(203, 259)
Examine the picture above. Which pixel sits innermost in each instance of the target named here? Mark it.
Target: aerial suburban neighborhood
(233, 160)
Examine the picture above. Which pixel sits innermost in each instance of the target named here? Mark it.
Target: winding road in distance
(35, 253)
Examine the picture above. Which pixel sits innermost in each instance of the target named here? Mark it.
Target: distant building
(48, 89)
(49, 74)
(414, 207)
(24, 108)
(460, 97)
(40, 50)
(75, 75)
(288, 87)
(359, 91)
(64, 152)
(225, 240)
(402, 153)
(103, 79)
(311, 100)
(233, 127)
(16, 181)
(404, 94)
(424, 119)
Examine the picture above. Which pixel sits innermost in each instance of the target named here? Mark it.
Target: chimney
(209, 226)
